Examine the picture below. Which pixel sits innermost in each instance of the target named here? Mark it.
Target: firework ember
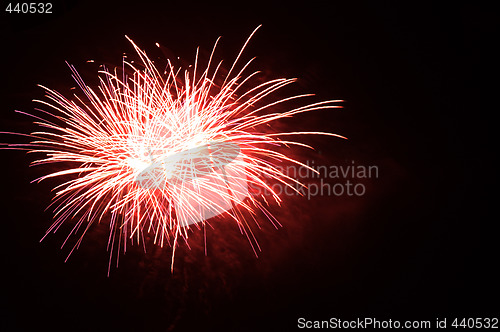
(162, 151)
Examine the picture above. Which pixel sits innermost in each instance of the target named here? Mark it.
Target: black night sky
(421, 243)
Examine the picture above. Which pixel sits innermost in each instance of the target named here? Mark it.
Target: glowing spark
(162, 153)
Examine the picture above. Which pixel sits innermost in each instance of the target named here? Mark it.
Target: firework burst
(161, 151)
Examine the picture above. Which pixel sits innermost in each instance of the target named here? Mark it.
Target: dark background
(419, 245)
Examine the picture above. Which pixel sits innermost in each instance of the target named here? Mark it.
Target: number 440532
(477, 323)
(30, 8)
